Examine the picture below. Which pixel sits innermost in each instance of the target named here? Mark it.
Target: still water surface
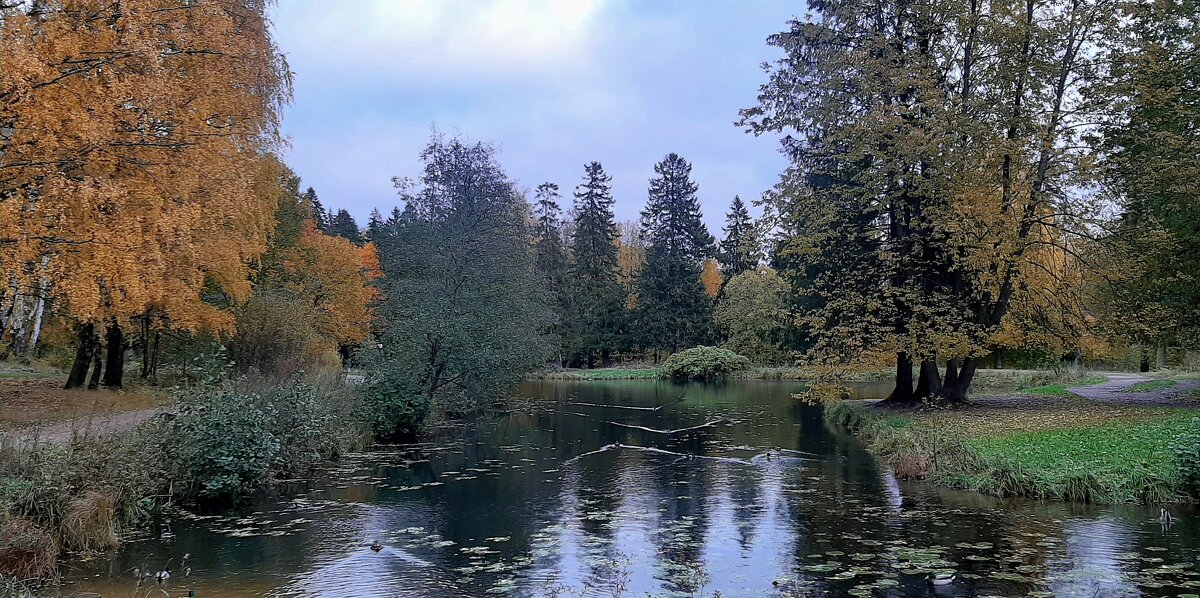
(587, 493)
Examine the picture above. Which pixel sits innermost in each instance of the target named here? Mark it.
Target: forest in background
(970, 184)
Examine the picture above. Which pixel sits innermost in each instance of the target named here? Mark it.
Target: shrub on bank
(222, 444)
(395, 406)
(228, 440)
(703, 363)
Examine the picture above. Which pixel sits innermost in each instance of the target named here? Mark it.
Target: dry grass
(90, 523)
(26, 551)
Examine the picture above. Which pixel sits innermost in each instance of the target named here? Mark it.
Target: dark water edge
(758, 498)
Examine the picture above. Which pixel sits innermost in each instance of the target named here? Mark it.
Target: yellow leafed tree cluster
(134, 144)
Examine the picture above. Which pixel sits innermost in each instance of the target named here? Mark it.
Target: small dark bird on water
(376, 546)
(1165, 517)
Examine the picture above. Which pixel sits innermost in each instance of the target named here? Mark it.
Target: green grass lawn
(1152, 385)
(1117, 462)
(1060, 389)
(604, 374)
(1070, 450)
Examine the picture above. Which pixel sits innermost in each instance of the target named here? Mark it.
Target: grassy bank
(987, 381)
(645, 373)
(1070, 451)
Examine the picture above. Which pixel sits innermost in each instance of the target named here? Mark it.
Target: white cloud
(440, 38)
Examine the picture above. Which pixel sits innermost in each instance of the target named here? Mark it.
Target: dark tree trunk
(154, 355)
(903, 392)
(605, 359)
(951, 373)
(1000, 358)
(114, 370)
(1145, 365)
(97, 367)
(957, 392)
(929, 383)
(83, 357)
(150, 353)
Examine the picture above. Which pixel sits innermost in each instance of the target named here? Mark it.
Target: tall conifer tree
(674, 312)
(598, 300)
(551, 257)
(740, 250)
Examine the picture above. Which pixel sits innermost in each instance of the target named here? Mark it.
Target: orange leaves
(333, 274)
(132, 150)
(711, 278)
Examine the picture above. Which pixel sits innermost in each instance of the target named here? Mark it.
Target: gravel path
(1116, 391)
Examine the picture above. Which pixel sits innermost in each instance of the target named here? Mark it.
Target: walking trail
(1116, 391)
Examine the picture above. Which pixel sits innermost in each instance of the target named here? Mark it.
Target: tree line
(965, 179)
(968, 176)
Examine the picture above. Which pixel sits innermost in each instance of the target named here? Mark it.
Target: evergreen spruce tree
(673, 310)
(319, 215)
(597, 318)
(551, 257)
(343, 225)
(375, 225)
(740, 251)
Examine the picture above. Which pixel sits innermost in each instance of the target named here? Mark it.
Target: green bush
(230, 438)
(222, 442)
(315, 423)
(703, 363)
(1186, 448)
(395, 407)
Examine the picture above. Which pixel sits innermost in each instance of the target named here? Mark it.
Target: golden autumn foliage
(711, 278)
(332, 274)
(133, 154)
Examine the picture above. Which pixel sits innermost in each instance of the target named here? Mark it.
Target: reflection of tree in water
(679, 540)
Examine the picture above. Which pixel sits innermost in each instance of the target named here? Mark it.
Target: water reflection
(596, 490)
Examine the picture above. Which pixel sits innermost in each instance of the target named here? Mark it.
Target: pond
(593, 490)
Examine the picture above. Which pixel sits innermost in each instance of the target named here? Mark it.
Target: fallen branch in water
(647, 449)
(629, 406)
(669, 432)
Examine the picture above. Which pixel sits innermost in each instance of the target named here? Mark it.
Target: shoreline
(1054, 446)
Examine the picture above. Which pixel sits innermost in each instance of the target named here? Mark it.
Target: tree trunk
(114, 370)
(903, 392)
(97, 367)
(951, 373)
(1000, 358)
(39, 315)
(154, 355)
(957, 392)
(605, 359)
(17, 326)
(1160, 358)
(929, 384)
(83, 357)
(150, 339)
(1145, 365)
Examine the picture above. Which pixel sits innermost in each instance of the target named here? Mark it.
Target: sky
(553, 84)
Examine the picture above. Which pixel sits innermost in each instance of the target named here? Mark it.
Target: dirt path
(95, 425)
(1116, 391)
